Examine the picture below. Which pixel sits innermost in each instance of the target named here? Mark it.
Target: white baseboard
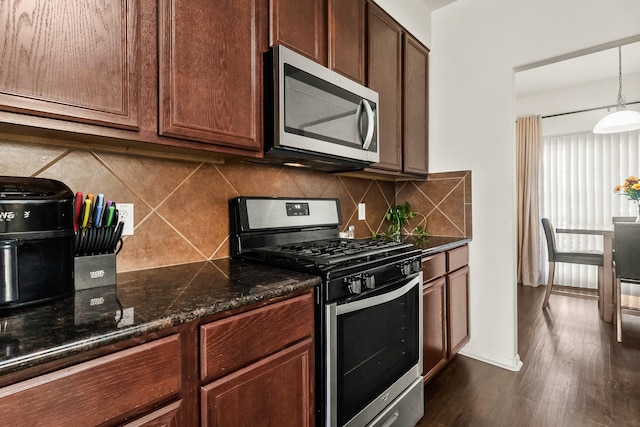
(513, 364)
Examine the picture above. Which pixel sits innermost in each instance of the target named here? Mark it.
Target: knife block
(93, 271)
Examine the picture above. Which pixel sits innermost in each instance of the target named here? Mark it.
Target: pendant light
(622, 120)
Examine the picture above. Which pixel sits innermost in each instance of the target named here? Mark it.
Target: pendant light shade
(622, 120)
(619, 121)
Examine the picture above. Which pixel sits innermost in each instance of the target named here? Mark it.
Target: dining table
(606, 295)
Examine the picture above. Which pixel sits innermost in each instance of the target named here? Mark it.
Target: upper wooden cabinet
(210, 70)
(416, 107)
(397, 66)
(384, 63)
(347, 38)
(71, 60)
(300, 25)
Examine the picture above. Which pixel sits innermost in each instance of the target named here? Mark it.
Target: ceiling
(581, 69)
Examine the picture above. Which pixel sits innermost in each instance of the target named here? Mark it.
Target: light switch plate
(362, 213)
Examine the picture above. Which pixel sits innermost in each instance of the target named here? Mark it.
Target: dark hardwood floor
(574, 372)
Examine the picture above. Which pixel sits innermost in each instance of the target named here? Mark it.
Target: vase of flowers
(631, 189)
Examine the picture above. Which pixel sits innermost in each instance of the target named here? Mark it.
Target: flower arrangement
(397, 216)
(630, 188)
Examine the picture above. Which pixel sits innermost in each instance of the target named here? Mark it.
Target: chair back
(626, 254)
(615, 219)
(551, 239)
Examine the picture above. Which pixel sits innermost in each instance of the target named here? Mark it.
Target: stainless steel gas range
(368, 308)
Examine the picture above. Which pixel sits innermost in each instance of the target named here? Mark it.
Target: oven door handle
(378, 299)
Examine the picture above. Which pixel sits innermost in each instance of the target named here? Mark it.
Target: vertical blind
(579, 173)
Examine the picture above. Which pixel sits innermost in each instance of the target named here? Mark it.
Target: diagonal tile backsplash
(181, 207)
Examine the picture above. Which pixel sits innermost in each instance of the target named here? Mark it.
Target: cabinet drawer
(457, 258)
(234, 342)
(100, 390)
(434, 266)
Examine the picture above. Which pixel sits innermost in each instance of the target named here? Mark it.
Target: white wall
(414, 15)
(475, 46)
(576, 98)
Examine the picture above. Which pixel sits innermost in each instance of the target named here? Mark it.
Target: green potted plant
(397, 216)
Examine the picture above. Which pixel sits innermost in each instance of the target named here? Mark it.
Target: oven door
(373, 352)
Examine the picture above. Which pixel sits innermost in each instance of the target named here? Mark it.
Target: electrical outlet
(125, 211)
(362, 213)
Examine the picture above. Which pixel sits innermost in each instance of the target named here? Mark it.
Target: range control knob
(353, 284)
(406, 268)
(369, 281)
(417, 265)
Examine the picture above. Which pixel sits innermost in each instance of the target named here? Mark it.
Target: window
(579, 173)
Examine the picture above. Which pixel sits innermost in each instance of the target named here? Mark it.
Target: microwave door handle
(370, 124)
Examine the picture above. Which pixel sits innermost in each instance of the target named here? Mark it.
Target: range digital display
(297, 209)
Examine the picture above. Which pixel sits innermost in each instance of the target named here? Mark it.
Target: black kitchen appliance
(36, 240)
(368, 308)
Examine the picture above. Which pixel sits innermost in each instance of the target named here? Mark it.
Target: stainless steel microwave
(316, 117)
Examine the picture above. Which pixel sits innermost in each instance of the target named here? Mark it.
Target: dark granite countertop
(434, 244)
(151, 300)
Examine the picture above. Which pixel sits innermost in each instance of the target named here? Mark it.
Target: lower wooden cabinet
(457, 309)
(275, 391)
(254, 367)
(262, 367)
(445, 308)
(103, 391)
(434, 326)
(167, 416)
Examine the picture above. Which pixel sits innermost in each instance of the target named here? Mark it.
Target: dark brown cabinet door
(276, 391)
(384, 58)
(457, 306)
(210, 70)
(300, 25)
(346, 38)
(71, 59)
(434, 327)
(416, 112)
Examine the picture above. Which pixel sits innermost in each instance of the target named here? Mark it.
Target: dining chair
(615, 219)
(592, 257)
(626, 244)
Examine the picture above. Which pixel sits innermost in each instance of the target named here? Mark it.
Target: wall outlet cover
(125, 211)
(362, 213)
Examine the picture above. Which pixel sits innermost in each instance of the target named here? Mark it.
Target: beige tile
(18, 159)
(467, 187)
(376, 208)
(453, 174)
(285, 186)
(439, 225)
(81, 171)
(199, 209)
(438, 189)
(388, 190)
(357, 187)
(453, 206)
(155, 244)
(347, 207)
(312, 183)
(152, 179)
(250, 179)
(468, 229)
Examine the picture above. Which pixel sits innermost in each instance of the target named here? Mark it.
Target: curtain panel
(579, 174)
(528, 155)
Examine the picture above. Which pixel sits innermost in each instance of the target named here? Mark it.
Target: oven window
(376, 346)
